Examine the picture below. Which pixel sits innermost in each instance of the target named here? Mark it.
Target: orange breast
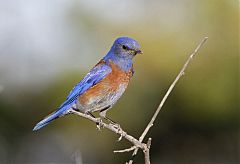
(110, 83)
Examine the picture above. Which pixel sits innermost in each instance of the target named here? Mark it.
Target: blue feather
(51, 117)
(92, 78)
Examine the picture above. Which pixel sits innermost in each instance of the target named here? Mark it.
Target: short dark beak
(139, 52)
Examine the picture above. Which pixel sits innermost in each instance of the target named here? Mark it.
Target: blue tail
(49, 118)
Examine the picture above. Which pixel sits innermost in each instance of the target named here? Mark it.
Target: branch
(111, 127)
(125, 150)
(181, 73)
(118, 130)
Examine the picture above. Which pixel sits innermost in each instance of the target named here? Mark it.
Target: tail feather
(48, 119)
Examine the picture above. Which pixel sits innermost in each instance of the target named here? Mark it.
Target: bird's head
(125, 47)
(122, 52)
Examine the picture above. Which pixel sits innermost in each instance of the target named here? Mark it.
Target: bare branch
(125, 150)
(110, 127)
(181, 73)
(149, 143)
(146, 156)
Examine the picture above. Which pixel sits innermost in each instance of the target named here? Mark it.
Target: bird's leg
(115, 125)
(89, 113)
(99, 123)
(103, 115)
(110, 120)
(76, 109)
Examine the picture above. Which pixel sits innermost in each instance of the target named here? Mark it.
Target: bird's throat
(124, 64)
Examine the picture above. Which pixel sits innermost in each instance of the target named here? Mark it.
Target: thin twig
(149, 143)
(181, 73)
(125, 150)
(146, 156)
(147, 151)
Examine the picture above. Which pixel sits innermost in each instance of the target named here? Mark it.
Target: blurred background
(46, 47)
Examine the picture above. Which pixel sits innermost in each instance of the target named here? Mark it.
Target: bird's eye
(124, 47)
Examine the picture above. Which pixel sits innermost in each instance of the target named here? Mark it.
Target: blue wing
(93, 77)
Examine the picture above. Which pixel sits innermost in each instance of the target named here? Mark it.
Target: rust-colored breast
(117, 76)
(110, 83)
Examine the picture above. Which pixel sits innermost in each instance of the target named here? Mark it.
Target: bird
(101, 88)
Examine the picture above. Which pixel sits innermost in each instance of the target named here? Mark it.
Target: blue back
(92, 78)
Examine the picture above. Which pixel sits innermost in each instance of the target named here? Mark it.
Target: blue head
(122, 52)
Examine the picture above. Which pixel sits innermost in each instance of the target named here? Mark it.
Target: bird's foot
(109, 120)
(76, 109)
(116, 125)
(119, 129)
(120, 138)
(99, 123)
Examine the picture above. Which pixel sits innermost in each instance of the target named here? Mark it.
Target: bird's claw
(120, 131)
(99, 123)
(116, 126)
(120, 138)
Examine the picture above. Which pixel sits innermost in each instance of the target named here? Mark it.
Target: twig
(181, 73)
(146, 156)
(146, 151)
(125, 150)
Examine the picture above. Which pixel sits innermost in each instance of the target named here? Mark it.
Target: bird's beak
(139, 52)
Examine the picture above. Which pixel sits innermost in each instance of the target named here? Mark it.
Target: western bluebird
(103, 85)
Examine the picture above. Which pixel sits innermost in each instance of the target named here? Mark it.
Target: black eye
(124, 47)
